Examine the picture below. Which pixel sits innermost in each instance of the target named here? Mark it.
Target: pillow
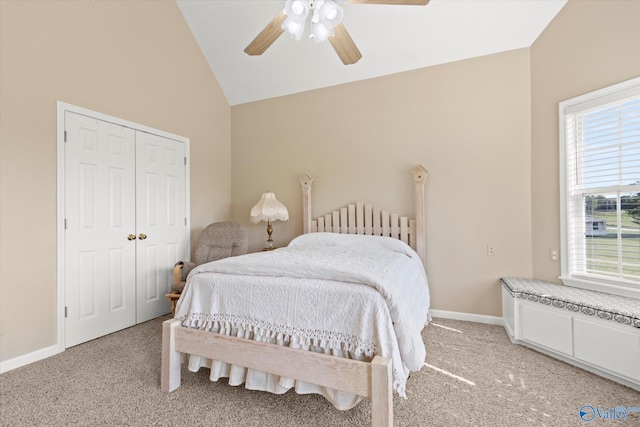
(354, 241)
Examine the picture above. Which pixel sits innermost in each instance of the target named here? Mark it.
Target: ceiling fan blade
(397, 2)
(267, 36)
(344, 46)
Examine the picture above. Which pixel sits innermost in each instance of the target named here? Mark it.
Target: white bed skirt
(263, 381)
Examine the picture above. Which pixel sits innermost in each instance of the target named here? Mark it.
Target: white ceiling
(392, 39)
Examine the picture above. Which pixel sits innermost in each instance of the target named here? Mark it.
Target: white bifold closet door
(160, 220)
(125, 210)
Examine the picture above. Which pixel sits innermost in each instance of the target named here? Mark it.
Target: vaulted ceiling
(391, 38)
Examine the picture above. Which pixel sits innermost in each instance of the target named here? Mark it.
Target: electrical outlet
(554, 255)
(490, 250)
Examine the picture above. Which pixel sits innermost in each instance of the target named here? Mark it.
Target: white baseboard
(26, 359)
(468, 317)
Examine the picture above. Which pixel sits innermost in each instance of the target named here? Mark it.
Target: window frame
(602, 97)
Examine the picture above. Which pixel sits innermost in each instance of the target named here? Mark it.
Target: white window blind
(600, 144)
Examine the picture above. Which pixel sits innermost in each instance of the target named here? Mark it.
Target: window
(600, 189)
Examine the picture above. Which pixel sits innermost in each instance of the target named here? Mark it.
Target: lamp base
(269, 246)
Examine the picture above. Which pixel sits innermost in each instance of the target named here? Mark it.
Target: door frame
(63, 107)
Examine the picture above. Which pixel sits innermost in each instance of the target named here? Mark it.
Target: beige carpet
(474, 377)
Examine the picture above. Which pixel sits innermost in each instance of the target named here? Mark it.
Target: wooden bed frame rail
(373, 380)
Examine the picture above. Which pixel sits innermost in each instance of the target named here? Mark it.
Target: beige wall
(134, 60)
(589, 45)
(467, 122)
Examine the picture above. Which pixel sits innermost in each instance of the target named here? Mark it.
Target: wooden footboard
(373, 380)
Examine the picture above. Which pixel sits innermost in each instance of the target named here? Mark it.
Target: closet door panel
(99, 215)
(160, 220)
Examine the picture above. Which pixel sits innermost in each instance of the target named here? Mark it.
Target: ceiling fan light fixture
(294, 28)
(321, 32)
(297, 12)
(327, 14)
(330, 13)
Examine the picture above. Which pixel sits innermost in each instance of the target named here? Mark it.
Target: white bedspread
(311, 295)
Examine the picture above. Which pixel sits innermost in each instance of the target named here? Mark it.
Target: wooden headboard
(363, 218)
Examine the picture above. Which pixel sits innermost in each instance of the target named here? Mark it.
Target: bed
(272, 320)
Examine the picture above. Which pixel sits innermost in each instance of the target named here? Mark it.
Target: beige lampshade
(269, 209)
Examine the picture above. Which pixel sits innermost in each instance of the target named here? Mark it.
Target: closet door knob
(131, 237)
(142, 236)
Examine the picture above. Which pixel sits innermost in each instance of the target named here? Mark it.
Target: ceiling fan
(326, 24)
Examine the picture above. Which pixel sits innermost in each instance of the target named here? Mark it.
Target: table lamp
(269, 209)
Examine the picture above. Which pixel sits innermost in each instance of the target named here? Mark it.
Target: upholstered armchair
(218, 240)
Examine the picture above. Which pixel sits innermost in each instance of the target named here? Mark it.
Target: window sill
(625, 289)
